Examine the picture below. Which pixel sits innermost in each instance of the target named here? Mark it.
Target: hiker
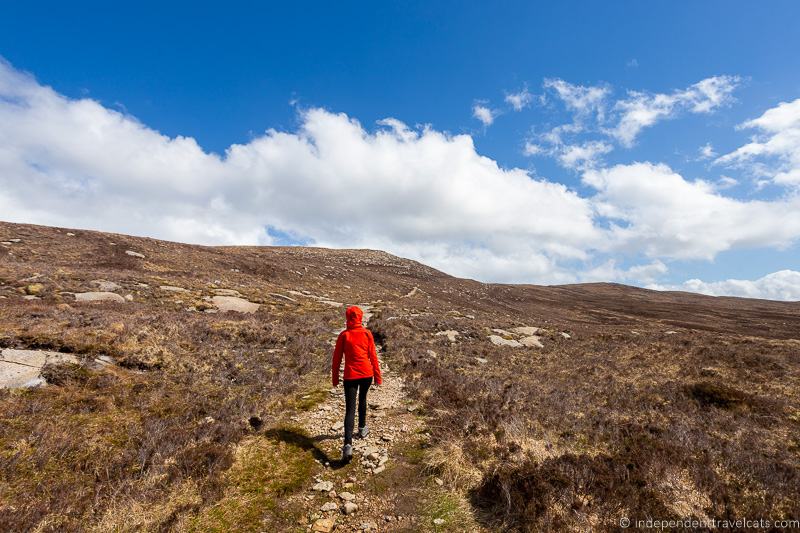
(360, 367)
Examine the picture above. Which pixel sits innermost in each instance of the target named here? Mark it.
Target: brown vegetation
(664, 405)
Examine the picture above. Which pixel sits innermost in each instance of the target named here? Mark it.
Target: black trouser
(351, 387)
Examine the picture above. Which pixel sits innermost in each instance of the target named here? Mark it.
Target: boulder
(497, 340)
(234, 304)
(532, 341)
(99, 296)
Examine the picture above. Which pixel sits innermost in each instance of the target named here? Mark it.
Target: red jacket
(358, 347)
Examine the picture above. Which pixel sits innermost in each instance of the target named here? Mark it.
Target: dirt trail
(352, 496)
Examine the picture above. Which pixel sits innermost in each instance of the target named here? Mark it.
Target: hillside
(186, 388)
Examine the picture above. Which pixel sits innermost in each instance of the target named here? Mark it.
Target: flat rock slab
(99, 296)
(171, 288)
(532, 341)
(106, 286)
(526, 330)
(497, 340)
(234, 303)
(227, 292)
(23, 368)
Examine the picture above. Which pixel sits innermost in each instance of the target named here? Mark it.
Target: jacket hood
(354, 315)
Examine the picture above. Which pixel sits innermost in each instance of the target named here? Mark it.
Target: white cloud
(781, 285)
(778, 140)
(520, 100)
(583, 156)
(706, 151)
(484, 114)
(656, 211)
(641, 110)
(579, 98)
(726, 182)
(419, 193)
(531, 149)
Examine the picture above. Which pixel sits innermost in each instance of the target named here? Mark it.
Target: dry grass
(622, 418)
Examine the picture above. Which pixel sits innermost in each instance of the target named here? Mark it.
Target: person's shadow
(306, 443)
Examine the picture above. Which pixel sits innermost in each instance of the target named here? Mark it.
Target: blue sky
(226, 75)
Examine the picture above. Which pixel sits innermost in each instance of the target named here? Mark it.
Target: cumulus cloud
(777, 143)
(484, 114)
(657, 211)
(641, 110)
(781, 285)
(420, 193)
(416, 192)
(519, 100)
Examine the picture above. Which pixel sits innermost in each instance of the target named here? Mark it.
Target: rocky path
(348, 496)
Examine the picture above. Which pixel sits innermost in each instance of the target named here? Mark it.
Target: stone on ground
(323, 486)
(497, 340)
(349, 508)
(235, 304)
(132, 253)
(532, 341)
(23, 368)
(450, 333)
(526, 330)
(106, 286)
(98, 296)
(323, 525)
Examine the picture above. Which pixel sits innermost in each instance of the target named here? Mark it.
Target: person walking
(361, 366)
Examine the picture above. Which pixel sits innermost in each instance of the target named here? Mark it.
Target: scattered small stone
(131, 253)
(347, 496)
(432, 354)
(34, 289)
(349, 508)
(450, 333)
(566, 335)
(379, 469)
(482, 360)
(328, 506)
(438, 521)
(70, 234)
(369, 526)
(323, 486)
(387, 438)
(348, 485)
(323, 525)
(337, 426)
(438, 481)
(670, 332)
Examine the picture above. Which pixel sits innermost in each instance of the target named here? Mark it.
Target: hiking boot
(363, 432)
(347, 452)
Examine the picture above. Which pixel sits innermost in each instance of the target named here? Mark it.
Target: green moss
(264, 472)
(448, 507)
(309, 400)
